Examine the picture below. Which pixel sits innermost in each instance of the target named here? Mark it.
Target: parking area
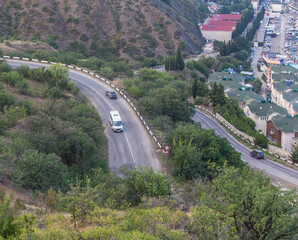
(281, 34)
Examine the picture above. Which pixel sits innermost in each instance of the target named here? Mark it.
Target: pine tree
(179, 59)
(194, 89)
(220, 97)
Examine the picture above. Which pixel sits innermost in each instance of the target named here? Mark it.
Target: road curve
(276, 171)
(132, 147)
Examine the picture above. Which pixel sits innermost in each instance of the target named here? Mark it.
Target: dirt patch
(22, 46)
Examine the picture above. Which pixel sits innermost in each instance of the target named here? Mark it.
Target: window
(272, 131)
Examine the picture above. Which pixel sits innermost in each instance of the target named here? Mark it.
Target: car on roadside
(257, 154)
(111, 94)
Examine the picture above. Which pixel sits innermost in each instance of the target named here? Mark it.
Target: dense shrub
(6, 99)
(38, 171)
(194, 147)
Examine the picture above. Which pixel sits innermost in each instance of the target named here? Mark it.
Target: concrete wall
(217, 35)
(287, 139)
(261, 122)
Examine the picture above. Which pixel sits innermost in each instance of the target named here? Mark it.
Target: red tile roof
(219, 22)
(228, 16)
(222, 22)
(216, 28)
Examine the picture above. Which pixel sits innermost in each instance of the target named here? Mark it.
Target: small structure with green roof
(261, 112)
(283, 129)
(244, 97)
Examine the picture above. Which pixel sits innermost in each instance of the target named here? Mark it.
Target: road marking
(133, 159)
(95, 92)
(112, 108)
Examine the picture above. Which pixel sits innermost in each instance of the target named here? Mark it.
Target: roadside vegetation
(50, 135)
(52, 145)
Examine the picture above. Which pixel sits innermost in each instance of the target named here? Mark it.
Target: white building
(260, 113)
(276, 5)
(220, 27)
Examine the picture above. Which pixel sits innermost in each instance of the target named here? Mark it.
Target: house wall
(287, 140)
(218, 35)
(261, 122)
(274, 135)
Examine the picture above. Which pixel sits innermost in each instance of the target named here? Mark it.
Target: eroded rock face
(126, 28)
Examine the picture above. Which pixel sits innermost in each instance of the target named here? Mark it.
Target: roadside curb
(237, 134)
(94, 75)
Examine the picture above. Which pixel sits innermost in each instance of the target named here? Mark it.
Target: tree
(188, 163)
(257, 85)
(149, 62)
(179, 60)
(193, 147)
(167, 64)
(219, 97)
(5, 67)
(52, 200)
(194, 88)
(107, 72)
(264, 78)
(7, 228)
(261, 140)
(294, 152)
(254, 208)
(145, 182)
(59, 74)
(213, 92)
(38, 171)
(203, 89)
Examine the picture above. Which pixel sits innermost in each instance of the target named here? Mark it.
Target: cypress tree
(213, 92)
(179, 60)
(194, 89)
(167, 64)
(172, 63)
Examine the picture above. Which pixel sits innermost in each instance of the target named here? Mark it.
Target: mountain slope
(106, 28)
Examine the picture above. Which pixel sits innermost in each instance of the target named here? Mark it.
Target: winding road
(133, 146)
(278, 173)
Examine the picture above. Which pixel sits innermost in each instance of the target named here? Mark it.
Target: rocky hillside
(126, 28)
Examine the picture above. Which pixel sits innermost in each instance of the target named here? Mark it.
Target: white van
(115, 121)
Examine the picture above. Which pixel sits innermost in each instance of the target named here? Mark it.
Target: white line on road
(112, 108)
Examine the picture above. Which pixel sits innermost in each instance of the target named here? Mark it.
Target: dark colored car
(111, 94)
(257, 154)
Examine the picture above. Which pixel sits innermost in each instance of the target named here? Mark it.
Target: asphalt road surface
(279, 174)
(133, 146)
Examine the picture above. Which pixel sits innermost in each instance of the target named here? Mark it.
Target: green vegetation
(257, 85)
(233, 204)
(194, 148)
(203, 65)
(175, 63)
(108, 68)
(230, 110)
(294, 153)
(159, 95)
(63, 137)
